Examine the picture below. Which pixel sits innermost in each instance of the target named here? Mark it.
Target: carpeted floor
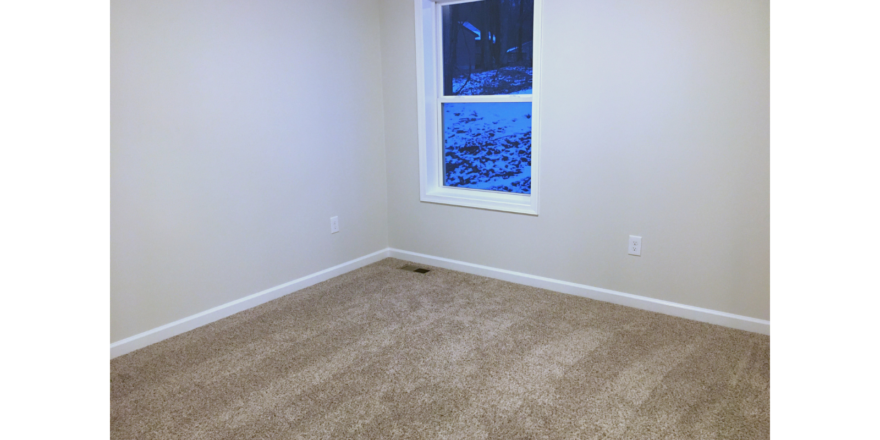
(386, 353)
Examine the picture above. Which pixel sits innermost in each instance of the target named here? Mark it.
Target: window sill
(491, 200)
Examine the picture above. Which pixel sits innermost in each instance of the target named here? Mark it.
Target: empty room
(497, 219)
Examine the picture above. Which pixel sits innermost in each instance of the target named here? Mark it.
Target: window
(478, 78)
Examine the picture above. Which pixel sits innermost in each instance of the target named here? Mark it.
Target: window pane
(488, 146)
(487, 47)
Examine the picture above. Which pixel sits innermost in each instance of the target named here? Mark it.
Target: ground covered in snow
(488, 146)
(503, 81)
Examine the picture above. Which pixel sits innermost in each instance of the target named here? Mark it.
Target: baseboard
(184, 325)
(625, 299)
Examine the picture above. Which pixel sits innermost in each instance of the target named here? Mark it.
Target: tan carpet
(385, 353)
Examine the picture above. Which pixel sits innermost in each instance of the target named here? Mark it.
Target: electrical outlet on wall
(635, 245)
(334, 224)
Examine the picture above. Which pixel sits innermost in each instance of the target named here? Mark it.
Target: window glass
(488, 146)
(487, 47)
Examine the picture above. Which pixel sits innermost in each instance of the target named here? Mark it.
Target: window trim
(430, 98)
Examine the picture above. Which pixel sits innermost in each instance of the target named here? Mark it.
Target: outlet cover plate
(635, 245)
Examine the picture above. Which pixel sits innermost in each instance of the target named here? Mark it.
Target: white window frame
(429, 50)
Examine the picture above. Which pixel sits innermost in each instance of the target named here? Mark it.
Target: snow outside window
(478, 102)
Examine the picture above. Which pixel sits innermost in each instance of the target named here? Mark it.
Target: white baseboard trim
(625, 299)
(184, 325)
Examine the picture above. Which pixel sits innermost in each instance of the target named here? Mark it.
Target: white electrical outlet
(635, 245)
(334, 224)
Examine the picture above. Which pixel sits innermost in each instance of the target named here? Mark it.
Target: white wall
(656, 123)
(238, 129)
